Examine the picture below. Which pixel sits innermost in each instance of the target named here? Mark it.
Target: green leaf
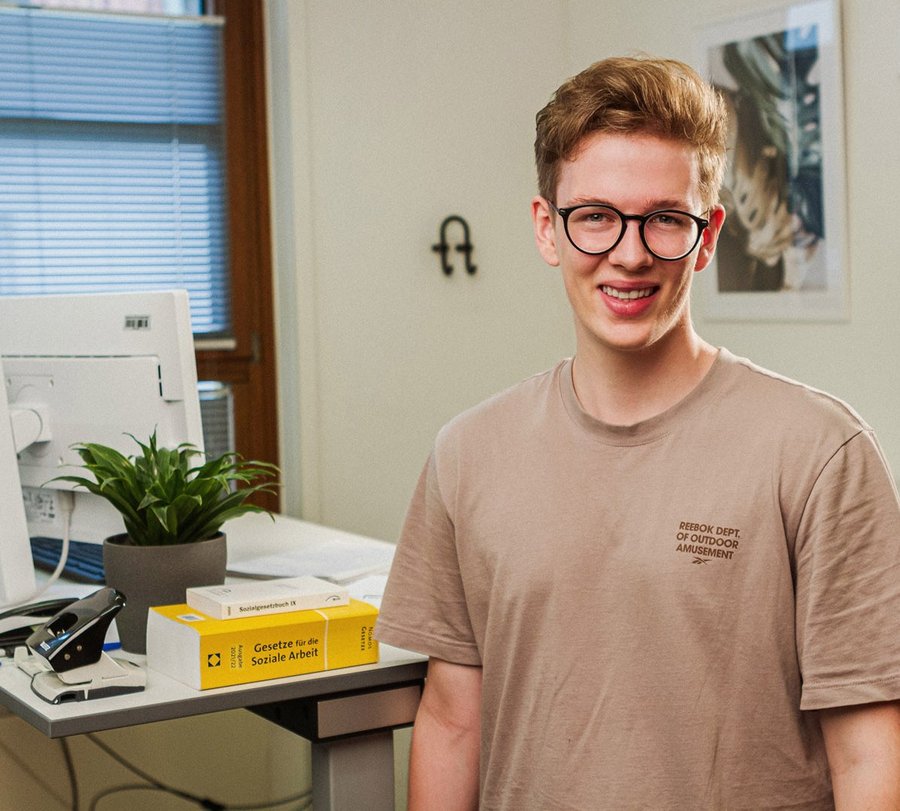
(164, 497)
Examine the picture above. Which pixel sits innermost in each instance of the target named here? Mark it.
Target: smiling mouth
(628, 295)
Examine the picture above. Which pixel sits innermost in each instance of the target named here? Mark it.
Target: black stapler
(69, 663)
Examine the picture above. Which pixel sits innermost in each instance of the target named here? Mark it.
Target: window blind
(112, 169)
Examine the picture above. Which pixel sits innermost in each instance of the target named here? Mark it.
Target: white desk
(349, 714)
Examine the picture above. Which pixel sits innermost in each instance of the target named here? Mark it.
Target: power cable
(70, 768)
(123, 788)
(203, 802)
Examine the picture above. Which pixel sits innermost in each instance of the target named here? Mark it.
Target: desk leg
(354, 773)
(352, 742)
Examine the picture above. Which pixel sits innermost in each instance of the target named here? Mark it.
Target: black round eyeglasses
(595, 229)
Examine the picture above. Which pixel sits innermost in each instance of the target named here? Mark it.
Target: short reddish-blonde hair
(626, 95)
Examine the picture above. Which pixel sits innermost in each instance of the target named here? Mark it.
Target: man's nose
(631, 253)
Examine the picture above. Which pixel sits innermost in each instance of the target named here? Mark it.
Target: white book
(266, 597)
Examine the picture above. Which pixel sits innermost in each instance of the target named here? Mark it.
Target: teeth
(627, 295)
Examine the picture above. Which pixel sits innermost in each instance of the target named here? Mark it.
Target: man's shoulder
(783, 400)
(511, 409)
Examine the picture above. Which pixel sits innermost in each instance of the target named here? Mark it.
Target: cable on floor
(203, 802)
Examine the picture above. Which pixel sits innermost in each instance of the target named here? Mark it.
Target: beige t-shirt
(655, 607)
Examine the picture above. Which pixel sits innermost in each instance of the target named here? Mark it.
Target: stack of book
(235, 634)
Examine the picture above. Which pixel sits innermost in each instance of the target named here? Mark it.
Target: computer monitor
(16, 570)
(86, 368)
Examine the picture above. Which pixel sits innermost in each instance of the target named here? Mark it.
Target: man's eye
(597, 217)
(669, 220)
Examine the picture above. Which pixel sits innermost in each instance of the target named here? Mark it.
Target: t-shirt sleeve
(424, 605)
(848, 581)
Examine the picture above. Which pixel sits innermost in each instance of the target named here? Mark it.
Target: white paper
(338, 559)
(369, 589)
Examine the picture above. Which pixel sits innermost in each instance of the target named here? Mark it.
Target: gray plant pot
(157, 575)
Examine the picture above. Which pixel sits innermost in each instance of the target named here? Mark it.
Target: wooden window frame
(249, 368)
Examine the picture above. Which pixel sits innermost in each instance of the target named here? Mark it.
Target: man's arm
(863, 746)
(446, 740)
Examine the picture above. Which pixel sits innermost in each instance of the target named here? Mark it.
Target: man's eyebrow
(649, 205)
(588, 201)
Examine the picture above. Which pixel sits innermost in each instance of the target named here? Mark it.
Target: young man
(655, 576)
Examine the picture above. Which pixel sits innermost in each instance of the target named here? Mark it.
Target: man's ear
(710, 237)
(543, 218)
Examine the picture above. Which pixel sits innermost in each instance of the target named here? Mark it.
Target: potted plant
(173, 502)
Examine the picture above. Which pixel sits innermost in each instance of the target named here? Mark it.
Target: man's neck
(624, 388)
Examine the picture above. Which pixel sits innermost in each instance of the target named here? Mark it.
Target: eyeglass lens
(668, 234)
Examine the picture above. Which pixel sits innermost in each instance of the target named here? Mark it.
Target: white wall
(399, 115)
(389, 116)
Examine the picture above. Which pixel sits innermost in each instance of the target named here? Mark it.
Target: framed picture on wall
(782, 252)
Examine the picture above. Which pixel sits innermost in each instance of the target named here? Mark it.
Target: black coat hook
(465, 247)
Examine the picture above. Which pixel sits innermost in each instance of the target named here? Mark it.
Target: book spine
(261, 607)
(239, 657)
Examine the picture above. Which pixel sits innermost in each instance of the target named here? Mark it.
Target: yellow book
(203, 652)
